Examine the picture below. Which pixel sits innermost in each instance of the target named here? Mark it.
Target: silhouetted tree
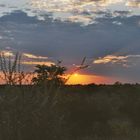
(49, 75)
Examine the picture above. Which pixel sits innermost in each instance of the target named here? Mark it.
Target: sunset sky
(107, 32)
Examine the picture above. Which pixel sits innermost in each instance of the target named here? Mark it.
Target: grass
(92, 112)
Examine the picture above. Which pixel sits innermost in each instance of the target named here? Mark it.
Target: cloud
(126, 60)
(7, 53)
(1, 37)
(133, 3)
(2, 5)
(48, 63)
(27, 58)
(117, 23)
(32, 56)
(84, 12)
(110, 59)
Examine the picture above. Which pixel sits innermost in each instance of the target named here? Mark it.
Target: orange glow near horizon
(77, 78)
(87, 79)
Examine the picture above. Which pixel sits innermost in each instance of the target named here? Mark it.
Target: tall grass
(81, 113)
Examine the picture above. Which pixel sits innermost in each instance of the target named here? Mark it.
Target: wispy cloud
(114, 59)
(117, 23)
(7, 53)
(110, 58)
(47, 63)
(28, 58)
(32, 56)
(133, 3)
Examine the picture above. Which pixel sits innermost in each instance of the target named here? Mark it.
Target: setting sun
(76, 74)
(77, 78)
(84, 79)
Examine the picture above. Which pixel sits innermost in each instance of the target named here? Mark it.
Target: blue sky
(107, 32)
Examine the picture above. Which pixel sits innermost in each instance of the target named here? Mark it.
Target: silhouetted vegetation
(11, 69)
(78, 112)
(49, 75)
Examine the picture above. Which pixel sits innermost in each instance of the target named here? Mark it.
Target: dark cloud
(18, 17)
(2, 5)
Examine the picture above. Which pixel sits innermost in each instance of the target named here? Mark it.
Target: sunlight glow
(76, 74)
(87, 79)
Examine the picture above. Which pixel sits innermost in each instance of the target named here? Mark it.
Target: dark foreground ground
(70, 113)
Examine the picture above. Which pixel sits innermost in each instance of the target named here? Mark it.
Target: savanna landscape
(69, 70)
(100, 112)
(48, 108)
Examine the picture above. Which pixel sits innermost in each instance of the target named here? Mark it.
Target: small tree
(10, 67)
(49, 75)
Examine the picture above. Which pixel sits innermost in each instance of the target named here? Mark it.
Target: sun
(76, 74)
